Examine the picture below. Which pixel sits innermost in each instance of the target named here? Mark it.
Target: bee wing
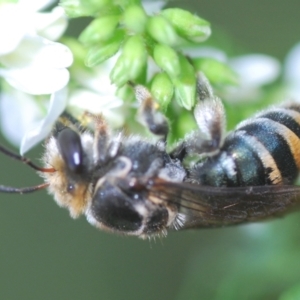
(206, 206)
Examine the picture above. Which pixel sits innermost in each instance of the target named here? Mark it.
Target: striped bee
(133, 186)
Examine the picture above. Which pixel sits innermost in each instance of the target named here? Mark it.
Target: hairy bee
(129, 185)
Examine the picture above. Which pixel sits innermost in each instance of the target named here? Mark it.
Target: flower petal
(256, 69)
(34, 5)
(57, 105)
(18, 113)
(51, 25)
(11, 33)
(93, 102)
(292, 65)
(36, 81)
(35, 51)
(109, 105)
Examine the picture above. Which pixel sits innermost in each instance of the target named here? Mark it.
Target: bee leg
(210, 117)
(149, 115)
(105, 147)
(101, 138)
(209, 113)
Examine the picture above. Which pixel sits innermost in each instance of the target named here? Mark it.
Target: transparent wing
(205, 206)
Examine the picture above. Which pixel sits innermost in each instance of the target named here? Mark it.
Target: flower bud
(100, 29)
(185, 84)
(100, 53)
(162, 89)
(188, 25)
(162, 31)
(131, 63)
(135, 18)
(135, 56)
(79, 8)
(167, 59)
(119, 74)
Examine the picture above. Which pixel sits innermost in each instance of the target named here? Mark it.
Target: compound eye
(70, 148)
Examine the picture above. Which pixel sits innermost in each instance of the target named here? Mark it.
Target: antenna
(25, 160)
(28, 162)
(25, 190)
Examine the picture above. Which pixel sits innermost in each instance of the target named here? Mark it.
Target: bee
(133, 186)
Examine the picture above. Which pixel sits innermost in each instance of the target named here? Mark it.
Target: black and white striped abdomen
(263, 150)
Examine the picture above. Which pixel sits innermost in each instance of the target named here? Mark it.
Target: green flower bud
(135, 18)
(162, 31)
(167, 59)
(79, 8)
(131, 63)
(162, 89)
(216, 71)
(101, 29)
(188, 25)
(119, 74)
(135, 56)
(100, 53)
(185, 94)
(185, 84)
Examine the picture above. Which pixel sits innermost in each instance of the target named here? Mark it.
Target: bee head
(69, 153)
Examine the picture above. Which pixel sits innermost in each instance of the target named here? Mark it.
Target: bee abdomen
(264, 150)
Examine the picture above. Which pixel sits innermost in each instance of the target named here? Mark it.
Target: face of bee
(70, 183)
(131, 186)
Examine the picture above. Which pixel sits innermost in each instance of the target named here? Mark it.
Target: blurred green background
(44, 254)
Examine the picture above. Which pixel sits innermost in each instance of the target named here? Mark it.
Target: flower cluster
(127, 40)
(130, 30)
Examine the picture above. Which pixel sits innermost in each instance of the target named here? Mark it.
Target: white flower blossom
(292, 73)
(96, 93)
(254, 71)
(26, 121)
(42, 128)
(26, 124)
(29, 60)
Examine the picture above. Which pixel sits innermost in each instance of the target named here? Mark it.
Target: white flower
(254, 71)
(96, 93)
(292, 72)
(30, 61)
(42, 128)
(26, 121)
